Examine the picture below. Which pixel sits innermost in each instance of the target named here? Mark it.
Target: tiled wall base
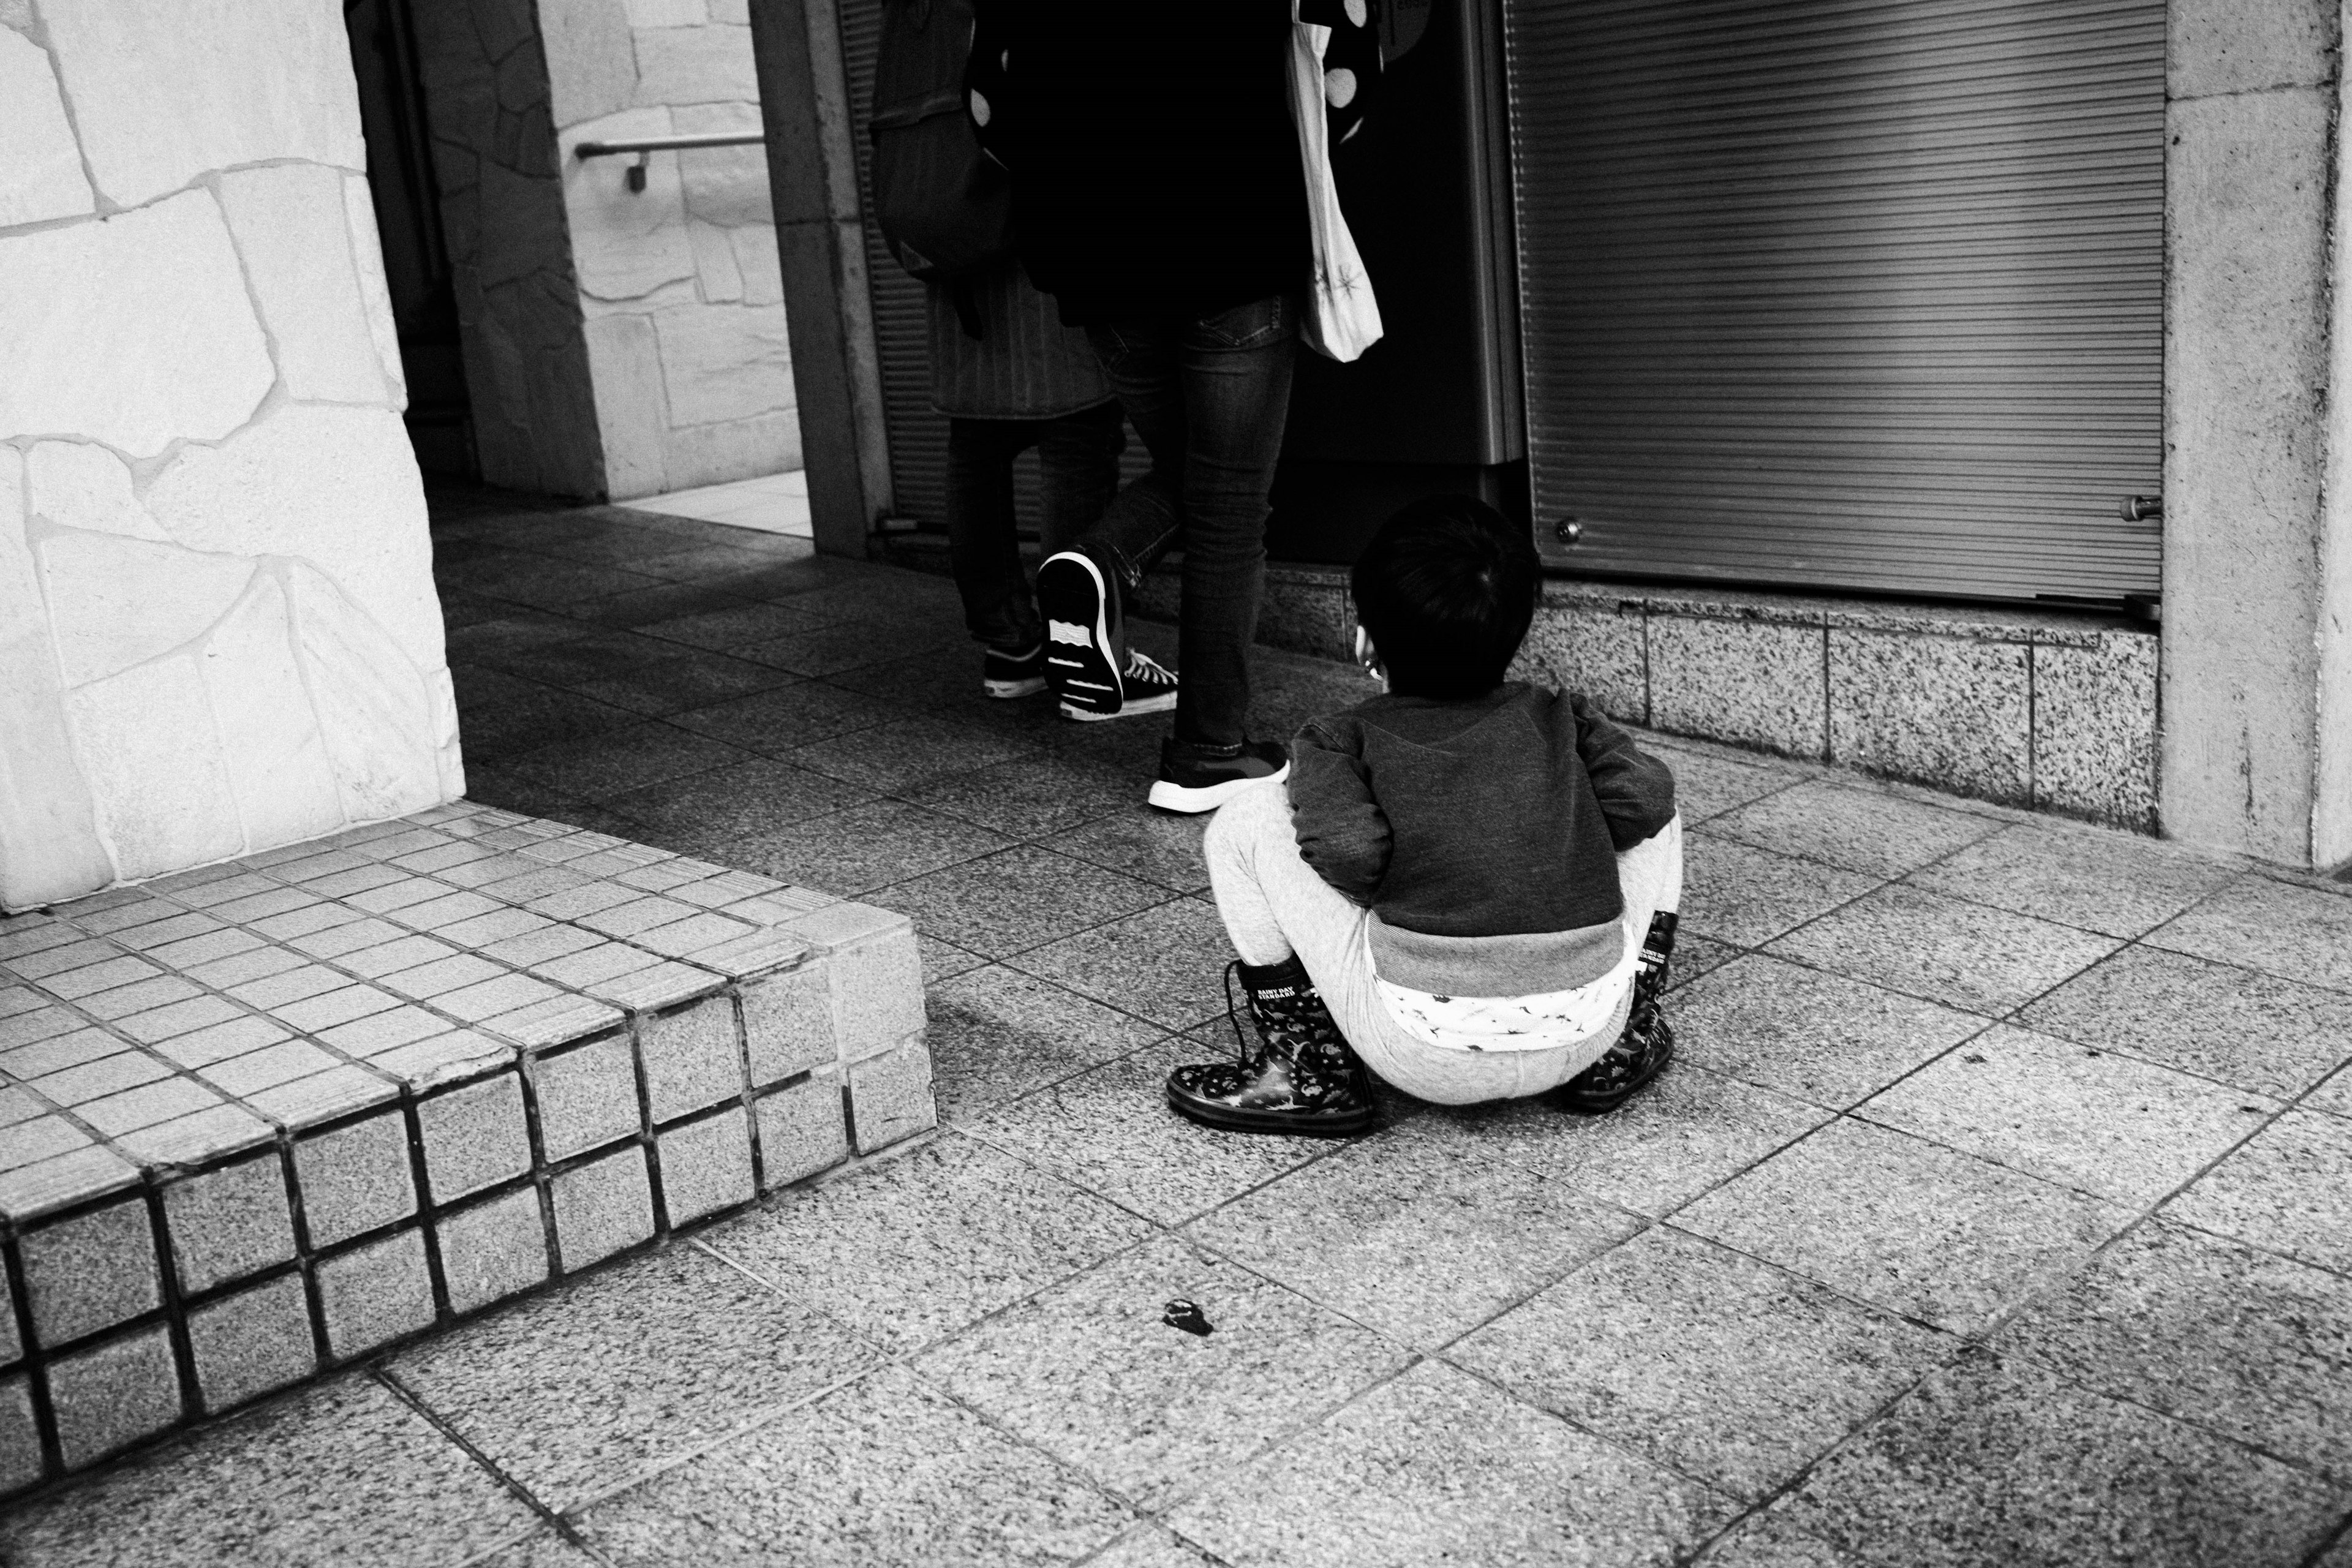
(2047, 710)
(273, 1115)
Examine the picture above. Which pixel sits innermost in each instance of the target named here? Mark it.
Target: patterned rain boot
(1302, 1079)
(1645, 1047)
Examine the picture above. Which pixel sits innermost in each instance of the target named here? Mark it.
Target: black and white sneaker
(1203, 778)
(1083, 663)
(1082, 645)
(1003, 674)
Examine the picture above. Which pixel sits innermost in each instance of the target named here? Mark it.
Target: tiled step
(263, 1118)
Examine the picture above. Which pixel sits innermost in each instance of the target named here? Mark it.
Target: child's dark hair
(1446, 588)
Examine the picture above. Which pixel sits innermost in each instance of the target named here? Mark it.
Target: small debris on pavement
(1183, 1314)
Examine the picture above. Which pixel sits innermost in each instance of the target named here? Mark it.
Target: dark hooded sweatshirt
(1483, 835)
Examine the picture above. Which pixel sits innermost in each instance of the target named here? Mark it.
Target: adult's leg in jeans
(1078, 458)
(1236, 371)
(1141, 361)
(1273, 905)
(982, 549)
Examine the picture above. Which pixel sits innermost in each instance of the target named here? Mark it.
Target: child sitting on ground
(1470, 882)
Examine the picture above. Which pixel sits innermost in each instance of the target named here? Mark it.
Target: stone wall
(678, 282)
(619, 343)
(218, 631)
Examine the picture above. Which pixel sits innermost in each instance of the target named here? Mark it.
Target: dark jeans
(1209, 398)
(1079, 456)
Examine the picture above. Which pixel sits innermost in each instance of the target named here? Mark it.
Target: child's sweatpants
(1273, 905)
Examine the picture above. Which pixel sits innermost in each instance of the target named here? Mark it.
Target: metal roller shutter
(918, 432)
(1851, 293)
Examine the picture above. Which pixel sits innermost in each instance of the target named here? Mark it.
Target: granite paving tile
(228, 1223)
(140, 997)
(1155, 846)
(944, 961)
(1970, 956)
(1688, 1132)
(1109, 1130)
(728, 803)
(355, 1178)
(622, 760)
(995, 1033)
(1165, 964)
(90, 1271)
(111, 1394)
(132, 1108)
(667, 685)
(856, 1478)
(2115, 883)
(577, 661)
(1996, 1461)
(2298, 933)
(852, 852)
(777, 722)
(45, 963)
(1022, 898)
(2256, 1031)
(732, 626)
(1089, 1372)
(1031, 797)
(306, 1101)
(2108, 1125)
(1820, 1037)
(2335, 1096)
(1699, 1358)
(1861, 829)
(829, 650)
(1904, 1224)
(2289, 1190)
(906, 754)
(1766, 1539)
(31, 1025)
(1707, 786)
(1388, 1482)
(243, 968)
(575, 1393)
(265, 1068)
(68, 1173)
(233, 1037)
(926, 1243)
(428, 980)
(325, 1011)
(1740, 894)
(1414, 1233)
(189, 952)
(94, 978)
(69, 1086)
(59, 1053)
(2243, 1342)
(181, 925)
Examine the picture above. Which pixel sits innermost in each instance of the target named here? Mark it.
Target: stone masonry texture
(218, 632)
(431, 1061)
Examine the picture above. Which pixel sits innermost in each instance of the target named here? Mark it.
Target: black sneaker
(1301, 1078)
(1003, 674)
(1203, 778)
(1083, 644)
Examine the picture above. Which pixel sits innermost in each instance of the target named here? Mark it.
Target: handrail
(645, 146)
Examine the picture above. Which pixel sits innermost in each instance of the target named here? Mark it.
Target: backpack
(943, 208)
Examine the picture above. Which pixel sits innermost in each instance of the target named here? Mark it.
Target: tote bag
(1343, 319)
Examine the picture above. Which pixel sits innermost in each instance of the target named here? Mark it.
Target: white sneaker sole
(1078, 664)
(1029, 686)
(1169, 796)
(1128, 709)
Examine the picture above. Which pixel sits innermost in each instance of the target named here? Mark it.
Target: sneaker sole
(1028, 685)
(1236, 1119)
(1128, 709)
(1172, 797)
(1076, 602)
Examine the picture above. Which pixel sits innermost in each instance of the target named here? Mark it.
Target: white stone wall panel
(275, 757)
(626, 364)
(101, 340)
(44, 178)
(335, 487)
(589, 49)
(116, 603)
(723, 365)
(763, 266)
(153, 754)
(376, 293)
(164, 91)
(694, 65)
(625, 243)
(292, 230)
(714, 263)
(50, 847)
(374, 707)
(79, 484)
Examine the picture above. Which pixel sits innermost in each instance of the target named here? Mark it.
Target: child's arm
(1635, 789)
(1342, 831)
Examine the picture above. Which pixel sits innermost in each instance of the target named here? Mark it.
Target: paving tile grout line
(391, 1380)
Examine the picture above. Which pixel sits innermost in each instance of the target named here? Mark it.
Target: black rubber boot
(1645, 1047)
(1301, 1079)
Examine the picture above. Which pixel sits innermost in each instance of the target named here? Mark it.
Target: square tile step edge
(268, 1118)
